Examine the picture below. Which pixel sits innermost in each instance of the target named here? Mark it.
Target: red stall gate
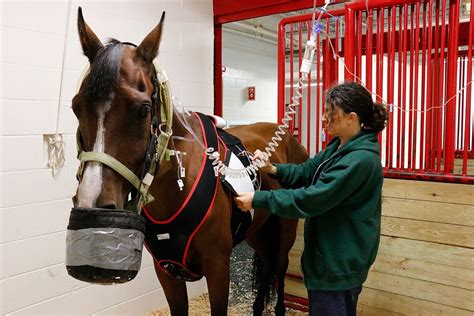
(420, 55)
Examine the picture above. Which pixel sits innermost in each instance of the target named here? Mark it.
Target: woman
(338, 192)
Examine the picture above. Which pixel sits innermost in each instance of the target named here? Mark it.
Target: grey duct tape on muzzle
(104, 246)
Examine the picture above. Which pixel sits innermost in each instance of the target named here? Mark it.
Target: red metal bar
(368, 51)
(349, 44)
(428, 176)
(429, 93)
(318, 91)
(459, 105)
(359, 46)
(291, 67)
(334, 77)
(439, 111)
(415, 96)
(281, 71)
(327, 61)
(391, 86)
(404, 83)
(309, 16)
(308, 103)
(226, 11)
(436, 92)
(300, 61)
(336, 48)
(467, 124)
(451, 93)
(390, 75)
(328, 71)
(400, 73)
(218, 70)
(423, 89)
(308, 117)
(375, 4)
(411, 132)
(380, 41)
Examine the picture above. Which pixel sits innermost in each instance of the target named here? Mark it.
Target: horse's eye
(145, 109)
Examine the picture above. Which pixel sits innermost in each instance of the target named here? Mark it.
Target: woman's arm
(336, 185)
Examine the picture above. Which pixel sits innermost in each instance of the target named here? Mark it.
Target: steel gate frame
(434, 123)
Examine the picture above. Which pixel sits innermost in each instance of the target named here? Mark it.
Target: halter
(156, 149)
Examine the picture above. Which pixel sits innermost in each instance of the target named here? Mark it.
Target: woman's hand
(244, 201)
(263, 162)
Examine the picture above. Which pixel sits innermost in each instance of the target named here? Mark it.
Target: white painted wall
(34, 205)
(249, 62)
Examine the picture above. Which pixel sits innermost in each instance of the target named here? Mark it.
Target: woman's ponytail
(377, 120)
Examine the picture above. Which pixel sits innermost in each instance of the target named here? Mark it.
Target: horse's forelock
(103, 75)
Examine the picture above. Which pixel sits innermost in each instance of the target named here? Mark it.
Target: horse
(117, 108)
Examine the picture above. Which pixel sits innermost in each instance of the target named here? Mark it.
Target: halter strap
(119, 168)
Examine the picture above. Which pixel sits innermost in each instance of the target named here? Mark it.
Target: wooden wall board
(452, 256)
(426, 271)
(448, 213)
(429, 191)
(406, 305)
(428, 231)
(367, 310)
(424, 290)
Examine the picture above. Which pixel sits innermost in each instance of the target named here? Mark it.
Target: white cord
(56, 157)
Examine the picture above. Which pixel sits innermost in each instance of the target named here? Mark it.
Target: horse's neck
(168, 196)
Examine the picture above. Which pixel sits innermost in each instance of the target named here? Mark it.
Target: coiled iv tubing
(252, 169)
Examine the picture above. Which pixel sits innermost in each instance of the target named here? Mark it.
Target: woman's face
(337, 122)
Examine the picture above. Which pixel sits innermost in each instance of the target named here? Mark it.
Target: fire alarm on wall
(251, 93)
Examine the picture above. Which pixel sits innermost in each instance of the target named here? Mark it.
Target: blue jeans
(333, 303)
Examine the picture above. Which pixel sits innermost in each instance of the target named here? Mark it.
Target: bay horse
(114, 107)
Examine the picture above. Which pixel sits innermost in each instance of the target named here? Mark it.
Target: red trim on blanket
(201, 170)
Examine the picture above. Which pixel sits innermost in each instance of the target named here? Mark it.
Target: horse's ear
(148, 48)
(89, 41)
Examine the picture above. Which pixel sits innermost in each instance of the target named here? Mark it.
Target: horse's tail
(265, 267)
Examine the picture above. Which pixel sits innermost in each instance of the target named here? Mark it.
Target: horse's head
(114, 107)
(118, 112)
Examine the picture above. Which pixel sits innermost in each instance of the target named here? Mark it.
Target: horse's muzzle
(104, 246)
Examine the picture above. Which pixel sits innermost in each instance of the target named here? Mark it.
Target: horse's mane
(102, 79)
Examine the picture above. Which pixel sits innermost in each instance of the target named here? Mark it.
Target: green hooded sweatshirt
(339, 192)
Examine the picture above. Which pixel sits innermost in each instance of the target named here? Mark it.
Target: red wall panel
(226, 11)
